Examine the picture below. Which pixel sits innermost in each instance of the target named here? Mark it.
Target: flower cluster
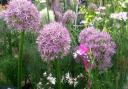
(65, 79)
(22, 15)
(119, 16)
(69, 79)
(53, 41)
(101, 45)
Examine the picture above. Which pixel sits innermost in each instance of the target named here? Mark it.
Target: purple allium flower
(53, 41)
(22, 15)
(101, 45)
(69, 16)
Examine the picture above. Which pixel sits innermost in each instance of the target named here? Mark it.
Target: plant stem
(21, 43)
(89, 80)
(47, 1)
(10, 44)
(64, 5)
(76, 16)
(58, 74)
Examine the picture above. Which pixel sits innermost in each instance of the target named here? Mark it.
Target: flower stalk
(58, 74)
(21, 47)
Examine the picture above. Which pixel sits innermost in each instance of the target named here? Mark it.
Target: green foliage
(8, 67)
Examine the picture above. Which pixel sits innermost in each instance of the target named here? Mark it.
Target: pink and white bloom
(82, 54)
(119, 16)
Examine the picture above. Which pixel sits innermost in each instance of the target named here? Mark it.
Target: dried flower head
(53, 41)
(58, 16)
(101, 45)
(22, 15)
(92, 6)
(69, 16)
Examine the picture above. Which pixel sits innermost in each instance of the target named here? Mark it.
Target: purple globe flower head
(69, 16)
(53, 41)
(22, 15)
(101, 45)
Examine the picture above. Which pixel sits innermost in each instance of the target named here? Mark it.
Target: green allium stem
(21, 43)
(10, 44)
(58, 74)
(47, 1)
(64, 5)
(89, 80)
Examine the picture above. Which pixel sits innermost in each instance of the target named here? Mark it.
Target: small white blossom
(101, 8)
(44, 74)
(39, 85)
(75, 55)
(119, 16)
(51, 79)
(98, 18)
(71, 81)
(80, 75)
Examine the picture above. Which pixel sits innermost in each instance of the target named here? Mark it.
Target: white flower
(80, 75)
(75, 55)
(75, 82)
(82, 22)
(39, 85)
(119, 16)
(68, 78)
(98, 18)
(101, 8)
(71, 81)
(44, 74)
(97, 12)
(67, 75)
(51, 79)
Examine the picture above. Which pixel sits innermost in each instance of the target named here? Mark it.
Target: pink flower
(81, 54)
(82, 50)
